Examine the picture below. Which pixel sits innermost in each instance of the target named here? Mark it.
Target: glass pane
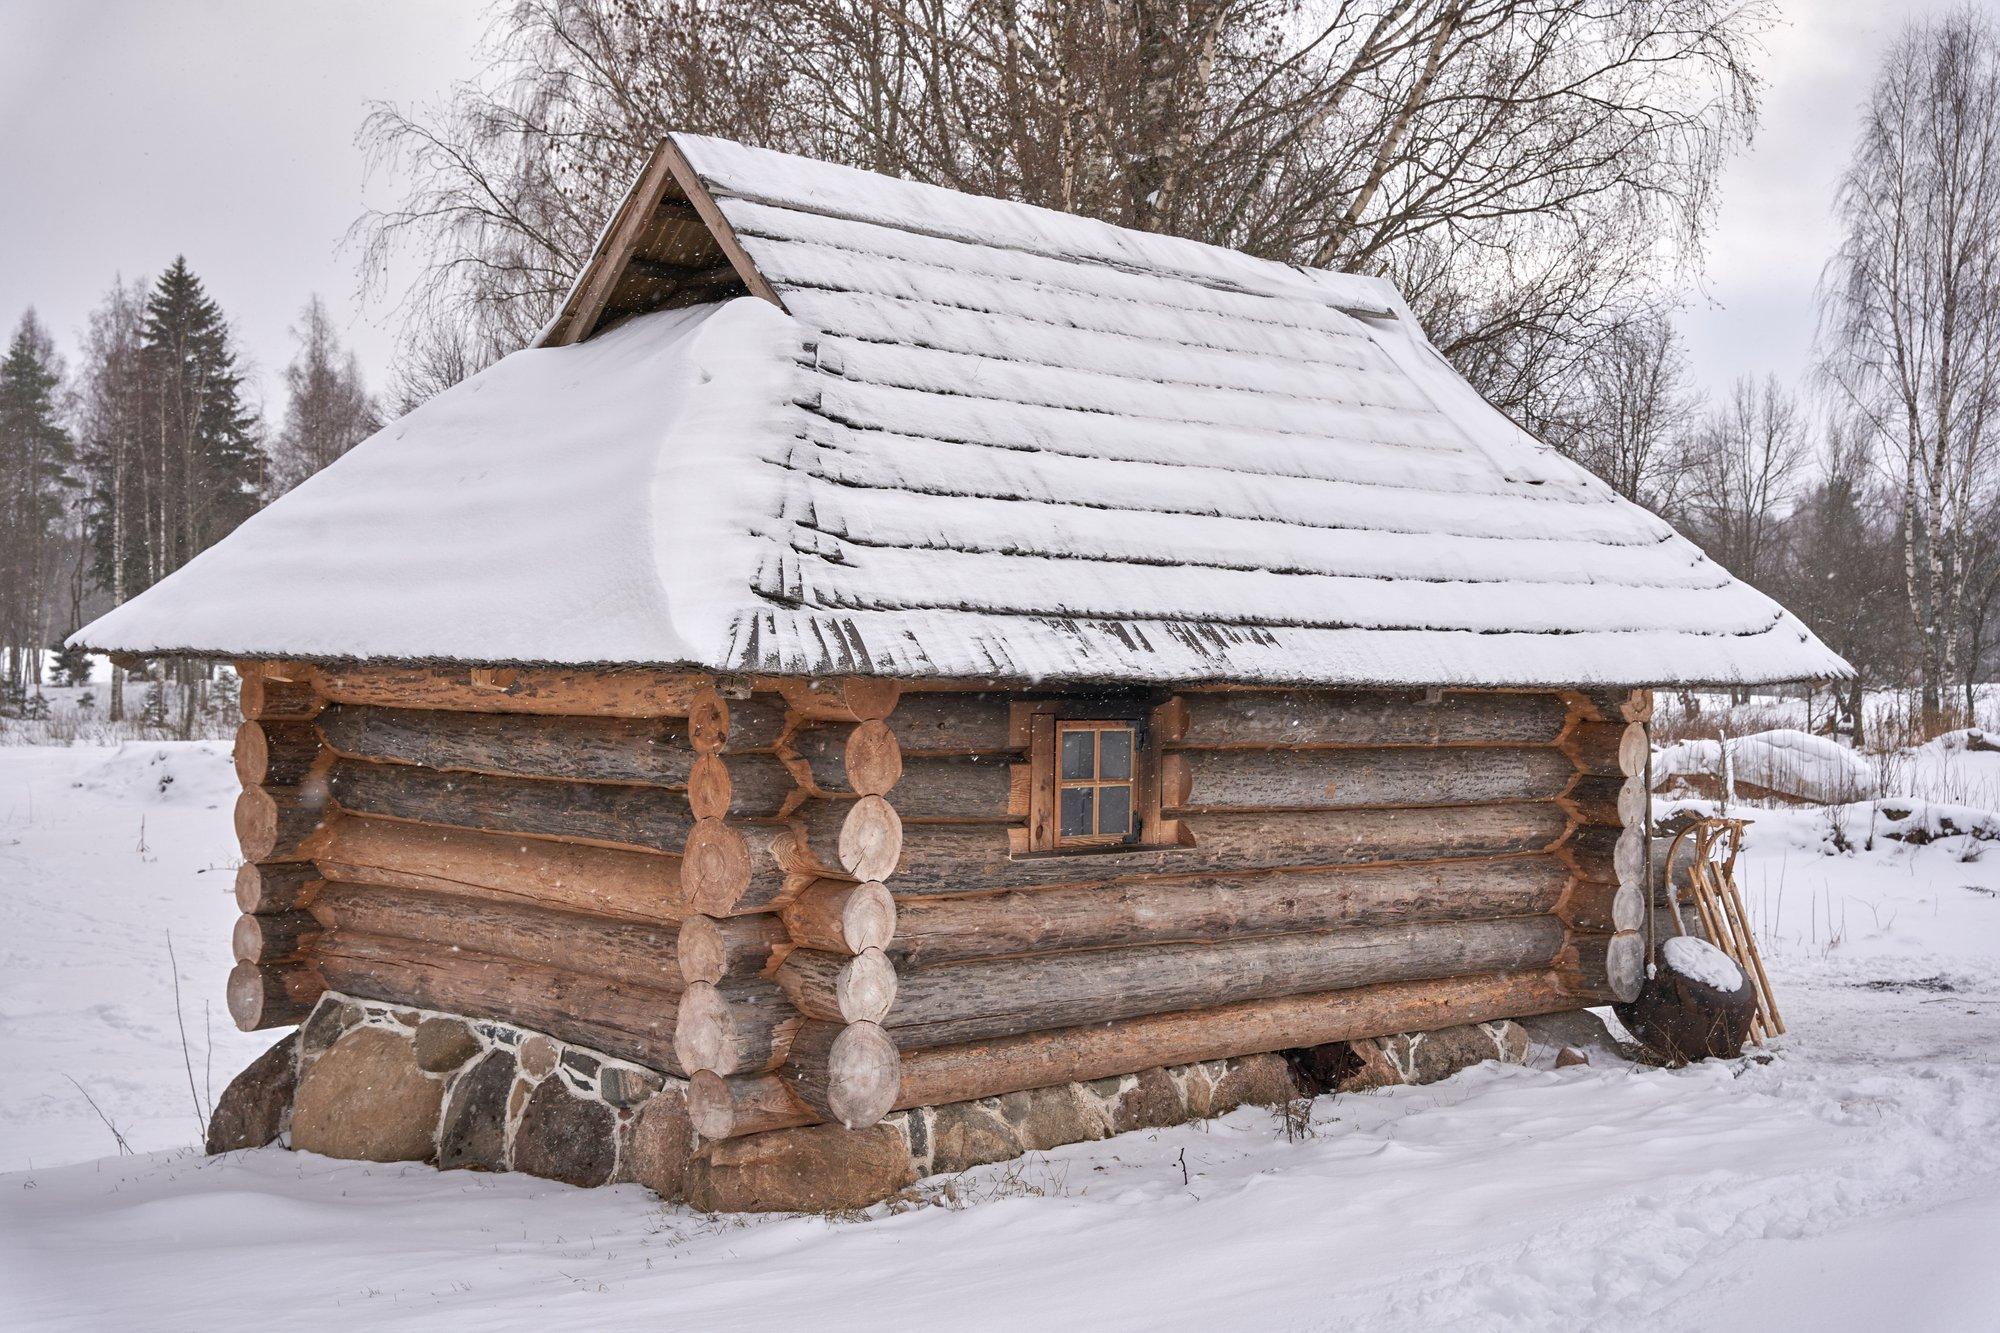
(1114, 810)
(1077, 756)
(1114, 757)
(1076, 811)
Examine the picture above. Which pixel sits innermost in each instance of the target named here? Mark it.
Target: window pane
(1114, 759)
(1114, 810)
(1076, 802)
(1077, 757)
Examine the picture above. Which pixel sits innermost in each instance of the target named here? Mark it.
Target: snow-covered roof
(801, 419)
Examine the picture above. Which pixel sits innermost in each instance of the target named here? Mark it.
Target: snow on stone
(980, 439)
(1698, 960)
(1792, 763)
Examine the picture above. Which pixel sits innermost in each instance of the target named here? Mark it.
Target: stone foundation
(376, 1082)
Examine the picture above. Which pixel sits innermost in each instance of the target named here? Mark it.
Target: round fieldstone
(1152, 1102)
(326, 1024)
(474, 1133)
(251, 1111)
(443, 1044)
(663, 1145)
(1254, 1080)
(367, 1099)
(969, 1134)
(538, 1056)
(1050, 1117)
(564, 1137)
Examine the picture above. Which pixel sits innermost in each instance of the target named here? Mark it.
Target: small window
(1092, 795)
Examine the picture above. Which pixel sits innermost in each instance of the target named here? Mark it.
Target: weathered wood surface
(600, 813)
(275, 823)
(955, 724)
(649, 751)
(717, 1106)
(847, 1073)
(277, 937)
(637, 886)
(282, 886)
(840, 917)
(959, 858)
(1361, 718)
(1344, 779)
(970, 1001)
(1594, 799)
(860, 839)
(728, 870)
(272, 995)
(717, 949)
(839, 988)
(737, 1027)
(1159, 911)
(561, 691)
(643, 954)
(278, 754)
(267, 697)
(962, 787)
(631, 1022)
(840, 699)
(1100, 1050)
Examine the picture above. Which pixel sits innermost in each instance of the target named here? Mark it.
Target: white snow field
(1849, 1181)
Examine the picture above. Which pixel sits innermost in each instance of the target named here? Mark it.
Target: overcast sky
(224, 129)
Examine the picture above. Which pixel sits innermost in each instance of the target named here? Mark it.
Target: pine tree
(36, 458)
(328, 410)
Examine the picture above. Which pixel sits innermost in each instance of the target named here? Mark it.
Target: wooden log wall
(817, 901)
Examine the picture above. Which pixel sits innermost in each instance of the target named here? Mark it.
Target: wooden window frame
(1050, 719)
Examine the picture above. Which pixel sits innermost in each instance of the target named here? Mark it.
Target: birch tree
(327, 407)
(1911, 311)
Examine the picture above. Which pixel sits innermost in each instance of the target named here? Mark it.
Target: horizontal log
(717, 1106)
(716, 949)
(839, 988)
(728, 870)
(738, 1027)
(959, 858)
(272, 995)
(841, 699)
(642, 954)
(968, 787)
(631, 1022)
(600, 813)
(1607, 748)
(944, 929)
(1102, 1050)
(1361, 718)
(278, 754)
(1594, 799)
(281, 886)
(1588, 904)
(860, 839)
(265, 697)
(971, 1001)
(275, 823)
(841, 917)
(1285, 779)
(649, 751)
(273, 938)
(553, 690)
(633, 886)
(955, 724)
(847, 1073)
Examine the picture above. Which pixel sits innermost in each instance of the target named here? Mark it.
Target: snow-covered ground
(1850, 1181)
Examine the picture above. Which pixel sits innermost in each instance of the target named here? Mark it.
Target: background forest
(1538, 178)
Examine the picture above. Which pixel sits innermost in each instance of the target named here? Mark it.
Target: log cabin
(883, 649)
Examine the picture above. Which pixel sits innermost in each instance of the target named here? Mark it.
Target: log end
(715, 867)
(871, 839)
(271, 996)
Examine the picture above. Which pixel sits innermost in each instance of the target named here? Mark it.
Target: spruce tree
(204, 464)
(36, 459)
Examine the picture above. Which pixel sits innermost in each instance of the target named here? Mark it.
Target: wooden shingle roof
(914, 432)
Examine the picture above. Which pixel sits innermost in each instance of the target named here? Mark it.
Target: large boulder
(818, 1169)
(564, 1137)
(443, 1044)
(474, 1133)
(251, 1110)
(663, 1145)
(368, 1099)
